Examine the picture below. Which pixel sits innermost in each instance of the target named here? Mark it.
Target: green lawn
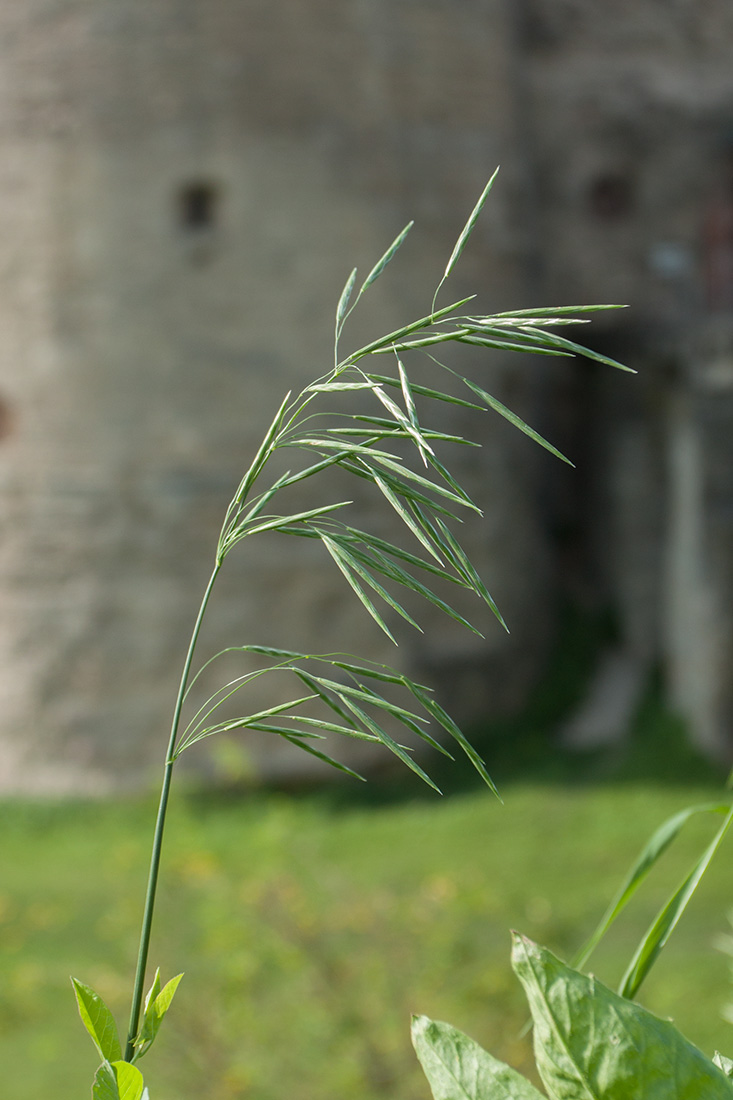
(310, 928)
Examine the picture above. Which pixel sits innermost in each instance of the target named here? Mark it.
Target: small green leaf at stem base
(157, 1004)
(118, 1081)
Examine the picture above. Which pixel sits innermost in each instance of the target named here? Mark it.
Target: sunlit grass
(312, 929)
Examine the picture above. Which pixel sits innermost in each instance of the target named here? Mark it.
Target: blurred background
(185, 188)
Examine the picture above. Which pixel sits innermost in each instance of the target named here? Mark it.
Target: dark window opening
(197, 206)
(611, 196)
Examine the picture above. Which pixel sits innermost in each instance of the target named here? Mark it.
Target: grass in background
(314, 925)
(312, 929)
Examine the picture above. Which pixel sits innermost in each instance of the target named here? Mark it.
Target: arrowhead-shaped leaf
(592, 1043)
(457, 1068)
(98, 1020)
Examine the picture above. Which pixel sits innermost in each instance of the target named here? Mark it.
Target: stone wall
(185, 188)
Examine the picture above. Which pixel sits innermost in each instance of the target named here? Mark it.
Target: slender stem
(142, 959)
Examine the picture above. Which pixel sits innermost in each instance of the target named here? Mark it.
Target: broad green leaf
(657, 935)
(105, 1083)
(652, 851)
(118, 1080)
(592, 1044)
(98, 1020)
(726, 1064)
(457, 1068)
(382, 263)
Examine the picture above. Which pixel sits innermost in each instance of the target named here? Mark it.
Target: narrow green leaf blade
(390, 743)
(410, 425)
(469, 227)
(426, 391)
(651, 852)
(443, 719)
(457, 1068)
(98, 1020)
(587, 353)
(401, 576)
(661, 929)
(382, 263)
(357, 565)
(531, 347)
(397, 470)
(338, 557)
(590, 1043)
(322, 756)
(422, 322)
(550, 311)
(497, 406)
(278, 522)
(402, 512)
(343, 303)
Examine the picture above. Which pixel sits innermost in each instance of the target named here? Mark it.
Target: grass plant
(353, 698)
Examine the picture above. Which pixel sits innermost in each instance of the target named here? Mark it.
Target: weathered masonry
(184, 188)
